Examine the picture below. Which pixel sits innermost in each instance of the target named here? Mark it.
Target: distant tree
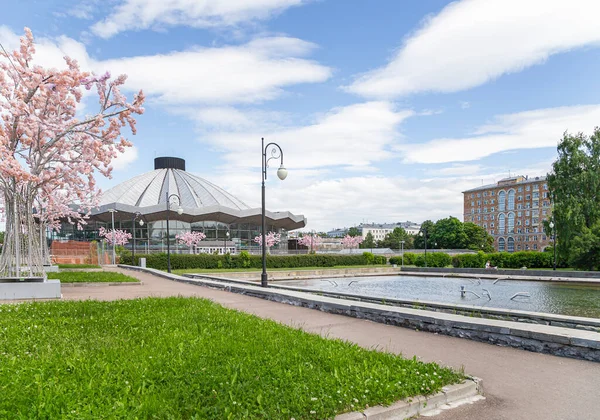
(392, 239)
(353, 231)
(1, 237)
(369, 241)
(351, 242)
(574, 183)
(312, 241)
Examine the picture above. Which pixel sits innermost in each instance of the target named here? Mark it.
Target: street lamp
(554, 243)
(179, 211)
(135, 217)
(402, 246)
(112, 214)
(276, 153)
(225, 242)
(425, 236)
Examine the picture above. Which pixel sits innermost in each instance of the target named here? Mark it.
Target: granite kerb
(540, 338)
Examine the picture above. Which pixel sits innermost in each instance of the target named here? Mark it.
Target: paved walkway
(517, 384)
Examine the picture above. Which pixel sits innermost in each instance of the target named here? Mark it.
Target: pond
(556, 298)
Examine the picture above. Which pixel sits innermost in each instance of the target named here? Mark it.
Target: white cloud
(353, 136)
(256, 71)
(144, 14)
(251, 72)
(125, 159)
(474, 41)
(524, 130)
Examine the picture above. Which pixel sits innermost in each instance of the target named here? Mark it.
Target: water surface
(556, 298)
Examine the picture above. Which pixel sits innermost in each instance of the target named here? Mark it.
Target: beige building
(512, 211)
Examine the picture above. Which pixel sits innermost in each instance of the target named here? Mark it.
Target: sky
(386, 110)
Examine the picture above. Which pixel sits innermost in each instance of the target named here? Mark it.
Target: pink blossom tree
(272, 239)
(48, 155)
(352, 242)
(115, 236)
(190, 238)
(313, 241)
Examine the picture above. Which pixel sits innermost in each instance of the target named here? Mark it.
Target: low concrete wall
(507, 272)
(533, 337)
(49, 289)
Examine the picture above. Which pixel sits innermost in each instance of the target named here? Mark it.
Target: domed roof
(151, 188)
(200, 200)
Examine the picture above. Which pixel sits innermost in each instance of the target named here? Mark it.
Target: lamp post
(275, 153)
(179, 211)
(553, 244)
(402, 246)
(425, 237)
(112, 215)
(225, 242)
(135, 217)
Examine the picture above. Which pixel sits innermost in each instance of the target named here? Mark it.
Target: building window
(492, 224)
(536, 187)
(479, 202)
(492, 201)
(528, 197)
(535, 246)
(527, 188)
(545, 186)
(520, 189)
(520, 198)
(501, 201)
(510, 245)
(493, 193)
(501, 223)
(478, 195)
(501, 244)
(536, 195)
(511, 222)
(511, 200)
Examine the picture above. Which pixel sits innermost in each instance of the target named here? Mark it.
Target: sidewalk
(517, 384)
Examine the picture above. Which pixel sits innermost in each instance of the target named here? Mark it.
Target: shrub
(434, 259)
(245, 260)
(516, 260)
(369, 257)
(409, 259)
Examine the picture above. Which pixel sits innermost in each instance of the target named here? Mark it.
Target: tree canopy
(574, 183)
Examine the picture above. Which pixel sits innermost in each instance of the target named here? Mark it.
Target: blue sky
(385, 110)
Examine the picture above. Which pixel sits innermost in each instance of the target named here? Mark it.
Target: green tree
(574, 183)
(369, 242)
(392, 239)
(477, 238)
(1, 237)
(353, 231)
(449, 233)
(585, 249)
(429, 227)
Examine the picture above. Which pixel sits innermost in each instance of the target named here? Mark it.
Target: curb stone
(419, 405)
(92, 284)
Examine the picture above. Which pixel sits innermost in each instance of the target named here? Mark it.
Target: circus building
(195, 205)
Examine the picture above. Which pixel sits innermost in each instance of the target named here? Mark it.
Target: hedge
(245, 260)
(434, 259)
(529, 259)
(409, 259)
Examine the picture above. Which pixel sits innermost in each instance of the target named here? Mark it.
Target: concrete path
(517, 384)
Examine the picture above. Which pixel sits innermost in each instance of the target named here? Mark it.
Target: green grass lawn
(69, 266)
(91, 277)
(226, 270)
(188, 358)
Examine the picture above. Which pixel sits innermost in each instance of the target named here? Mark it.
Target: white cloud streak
(256, 71)
(523, 130)
(471, 42)
(143, 14)
(352, 136)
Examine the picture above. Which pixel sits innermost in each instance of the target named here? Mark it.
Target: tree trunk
(22, 254)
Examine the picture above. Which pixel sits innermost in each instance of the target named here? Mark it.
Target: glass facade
(152, 237)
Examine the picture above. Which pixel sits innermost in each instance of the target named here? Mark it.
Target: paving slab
(518, 384)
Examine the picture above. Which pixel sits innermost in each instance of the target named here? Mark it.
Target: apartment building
(379, 231)
(512, 211)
